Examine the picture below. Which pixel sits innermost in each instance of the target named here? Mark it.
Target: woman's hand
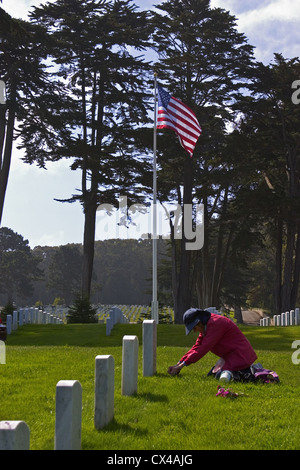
(174, 370)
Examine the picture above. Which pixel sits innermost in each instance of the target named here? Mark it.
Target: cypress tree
(205, 62)
(91, 44)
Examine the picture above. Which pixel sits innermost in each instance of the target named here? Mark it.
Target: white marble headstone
(149, 347)
(68, 415)
(104, 390)
(14, 435)
(130, 352)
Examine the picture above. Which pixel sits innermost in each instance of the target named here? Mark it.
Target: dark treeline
(121, 275)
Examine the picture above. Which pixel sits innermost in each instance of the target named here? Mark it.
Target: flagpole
(154, 305)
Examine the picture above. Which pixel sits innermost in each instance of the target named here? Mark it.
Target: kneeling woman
(221, 336)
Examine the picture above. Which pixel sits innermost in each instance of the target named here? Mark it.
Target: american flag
(175, 115)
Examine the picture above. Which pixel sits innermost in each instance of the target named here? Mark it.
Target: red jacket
(224, 339)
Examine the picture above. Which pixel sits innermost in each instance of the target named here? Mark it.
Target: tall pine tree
(270, 132)
(95, 44)
(205, 62)
(31, 97)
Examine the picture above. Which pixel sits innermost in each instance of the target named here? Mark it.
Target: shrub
(81, 311)
(7, 310)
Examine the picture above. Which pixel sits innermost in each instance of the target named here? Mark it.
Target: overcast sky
(30, 210)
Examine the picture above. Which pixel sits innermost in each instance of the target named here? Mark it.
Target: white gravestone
(14, 435)
(31, 315)
(109, 325)
(130, 353)
(2, 352)
(21, 317)
(15, 320)
(68, 415)
(149, 347)
(8, 324)
(104, 390)
(287, 318)
(297, 319)
(26, 319)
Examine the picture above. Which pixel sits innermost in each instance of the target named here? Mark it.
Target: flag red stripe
(184, 126)
(175, 115)
(184, 136)
(186, 111)
(175, 118)
(181, 126)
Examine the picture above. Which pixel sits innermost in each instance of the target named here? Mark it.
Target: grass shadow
(114, 426)
(154, 398)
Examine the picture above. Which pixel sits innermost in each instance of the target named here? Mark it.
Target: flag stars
(163, 97)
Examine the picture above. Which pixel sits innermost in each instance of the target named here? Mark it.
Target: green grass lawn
(167, 413)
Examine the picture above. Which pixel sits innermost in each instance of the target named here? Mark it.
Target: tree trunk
(296, 279)
(91, 196)
(221, 254)
(238, 314)
(217, 293)
(90, 209)
(288, 267)
(203, 283)
(174, 266)
(7, 134)
(184, 288)
(278, 267)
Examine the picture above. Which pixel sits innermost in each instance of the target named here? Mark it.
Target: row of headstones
(132, 315)
(284, 319)
(29, 315)
(115, 316)
(57, 310)
(129, 313)
(15, 435)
